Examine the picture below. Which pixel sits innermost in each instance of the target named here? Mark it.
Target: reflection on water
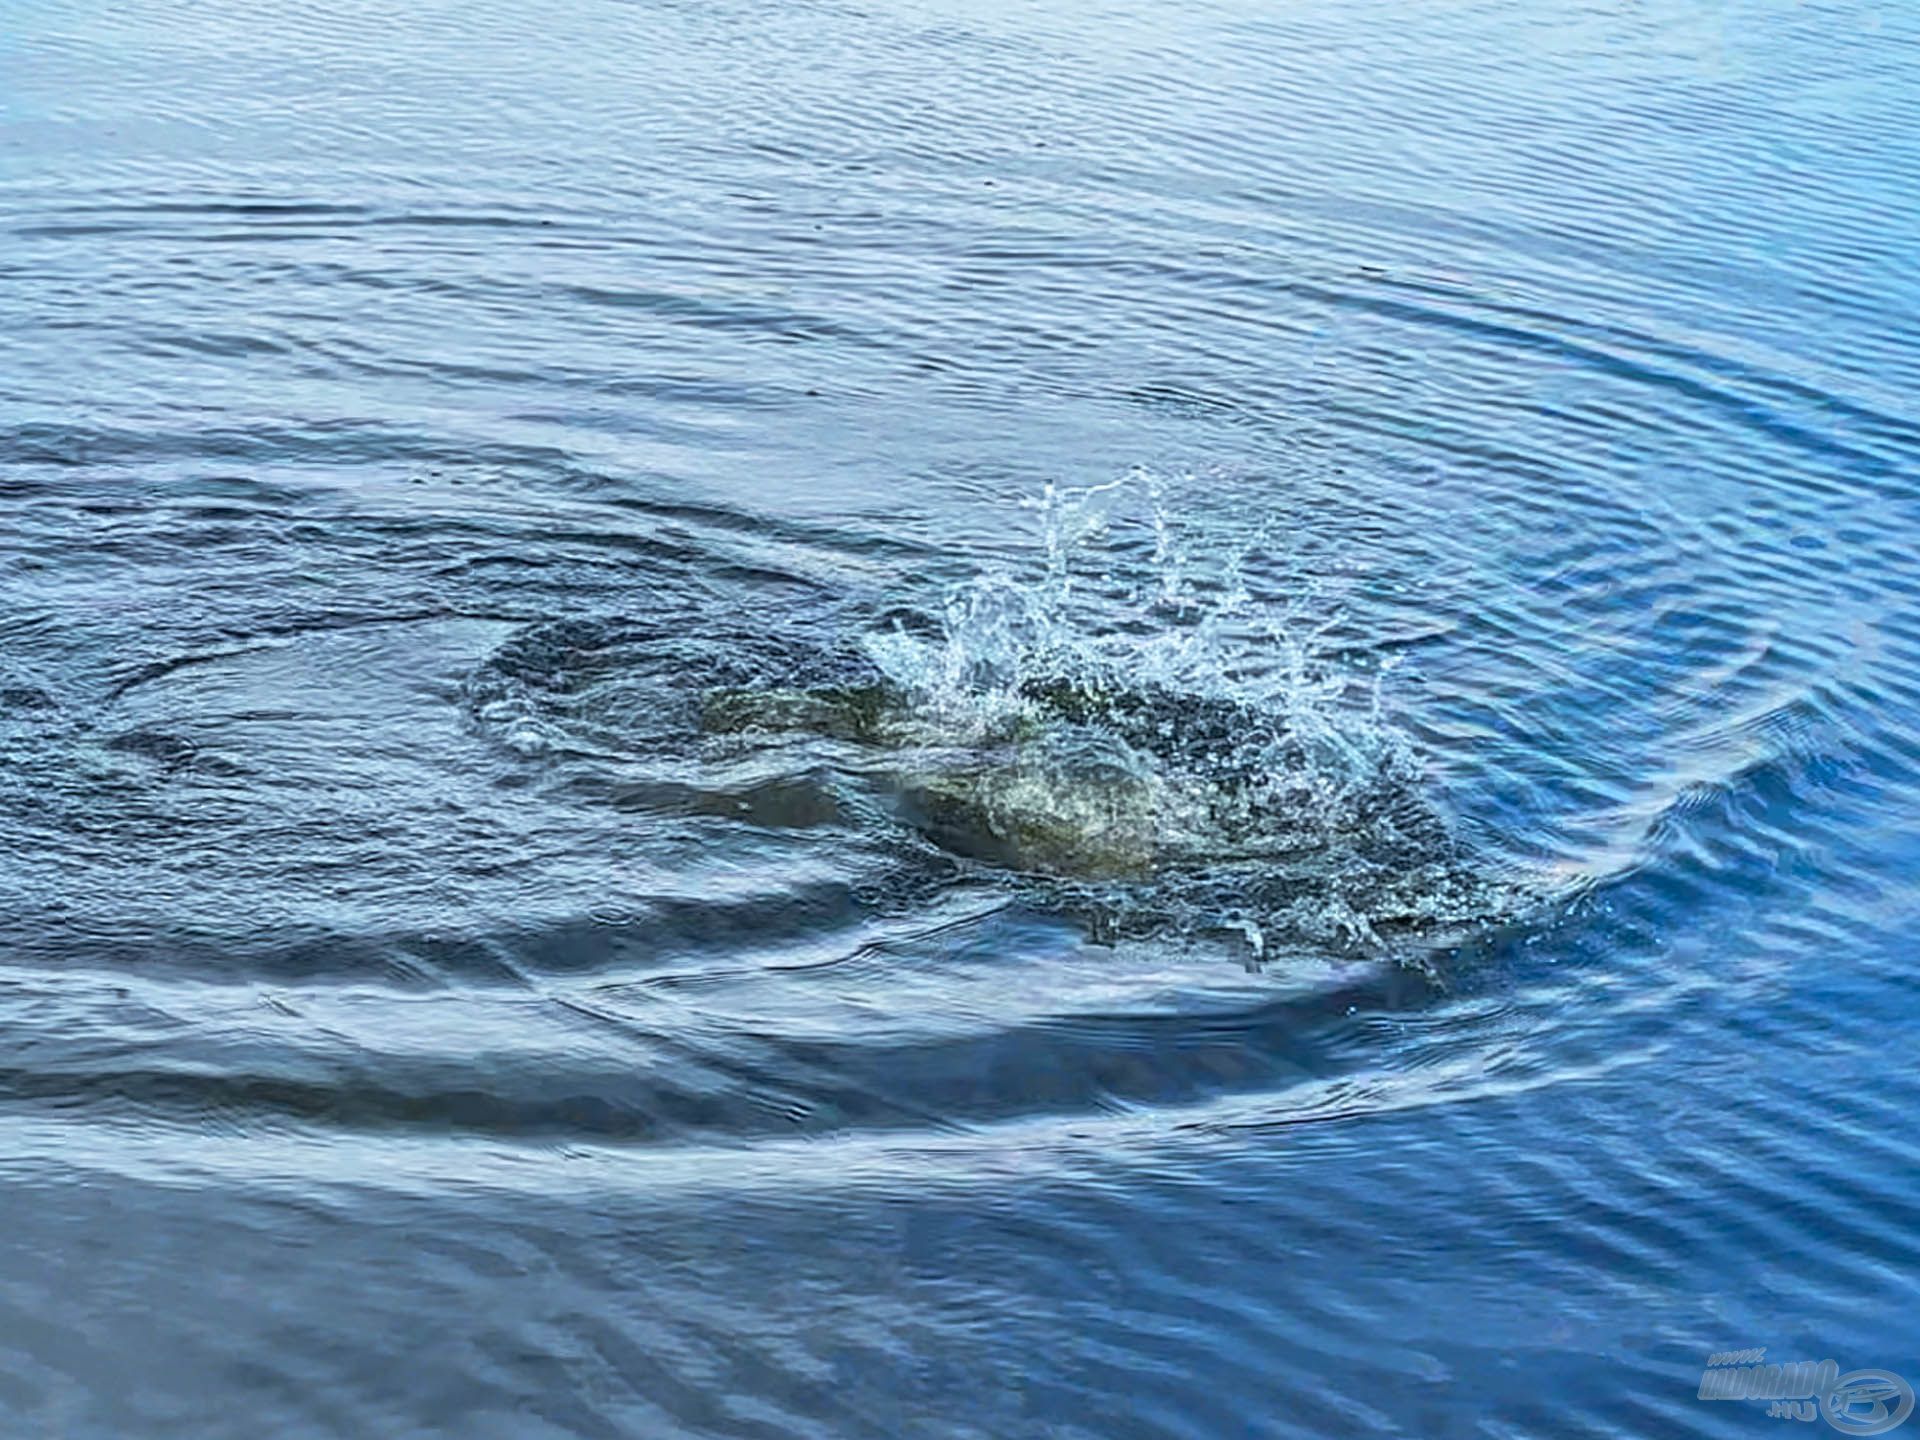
(910, 719)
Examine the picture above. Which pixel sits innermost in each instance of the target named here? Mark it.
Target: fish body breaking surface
(1133, 805)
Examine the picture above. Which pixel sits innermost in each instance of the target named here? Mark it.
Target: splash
(1145, 718)
(1178, 633)
(1135, 733)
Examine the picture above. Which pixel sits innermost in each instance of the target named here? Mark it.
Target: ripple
(411, 418)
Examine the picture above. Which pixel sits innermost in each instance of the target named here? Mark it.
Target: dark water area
(911, 719)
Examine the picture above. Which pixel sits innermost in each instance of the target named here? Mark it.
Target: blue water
(413, 1022)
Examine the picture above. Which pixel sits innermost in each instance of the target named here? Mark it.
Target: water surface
(417, 1023)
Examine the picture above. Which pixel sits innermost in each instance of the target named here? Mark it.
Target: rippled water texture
(913, 719)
